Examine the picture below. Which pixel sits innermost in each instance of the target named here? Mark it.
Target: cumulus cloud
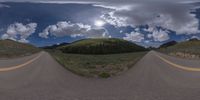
(113, 20)
(149, 35)
(64, 28)
(171, 14)
(158, 34)
(175, 17)
(3, 5)
(195, 37)
(134, 36)
(19, 32)
(101, 2)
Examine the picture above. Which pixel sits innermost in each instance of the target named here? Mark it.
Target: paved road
(155, 77)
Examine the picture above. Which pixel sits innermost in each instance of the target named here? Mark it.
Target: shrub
(104, 75)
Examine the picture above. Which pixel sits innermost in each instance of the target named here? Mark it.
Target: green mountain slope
(187, 49)
(9, 48)
(101, 46)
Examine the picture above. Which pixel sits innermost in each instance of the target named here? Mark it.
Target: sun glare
(99, 23)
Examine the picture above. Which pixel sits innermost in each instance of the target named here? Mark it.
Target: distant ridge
(194, 39)
(55, 46)
(10, 48)
(165, 45)
(101, 46)
(191, 46)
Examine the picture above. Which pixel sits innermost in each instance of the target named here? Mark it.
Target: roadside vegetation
(103, 66)
(98, 57)
(187, 49)
(12, 49)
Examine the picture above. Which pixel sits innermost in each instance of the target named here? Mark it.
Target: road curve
(150, 79)
(14, 67)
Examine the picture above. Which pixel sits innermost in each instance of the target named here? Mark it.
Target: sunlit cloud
(19, 32)
(64, 28)
(134, 37)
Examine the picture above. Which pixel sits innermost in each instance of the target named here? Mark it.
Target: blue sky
(44, 24)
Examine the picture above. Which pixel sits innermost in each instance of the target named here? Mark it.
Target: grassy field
(12, 49)
(103, 66)
(187, 49)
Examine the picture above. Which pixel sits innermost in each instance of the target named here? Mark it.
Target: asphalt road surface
(154, 77)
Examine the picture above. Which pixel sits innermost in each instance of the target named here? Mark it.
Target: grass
(187, 47)
(12, 49)
(103, 66)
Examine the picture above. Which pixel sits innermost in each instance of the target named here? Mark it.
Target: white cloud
(134, 37)
(19, 32)
(100, 2)
(64, 28)
(175, 17)
(76, 35)
(149, 35)
(158, 34)
(195, 37)
(111, 19)
(3, 5)
(171, 14)
(5, 36)
(147, 41)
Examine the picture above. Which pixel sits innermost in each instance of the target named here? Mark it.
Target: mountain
(194, 39)
(152, 48)
(165, 45)
(55, 46)
(190, 47)
(101, 46)
(10, 48)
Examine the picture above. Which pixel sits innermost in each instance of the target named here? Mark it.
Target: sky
(144, 22)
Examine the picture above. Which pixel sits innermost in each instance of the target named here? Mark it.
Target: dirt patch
(185, 55)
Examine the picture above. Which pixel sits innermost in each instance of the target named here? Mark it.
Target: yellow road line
(179, 66)
(19, 66)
